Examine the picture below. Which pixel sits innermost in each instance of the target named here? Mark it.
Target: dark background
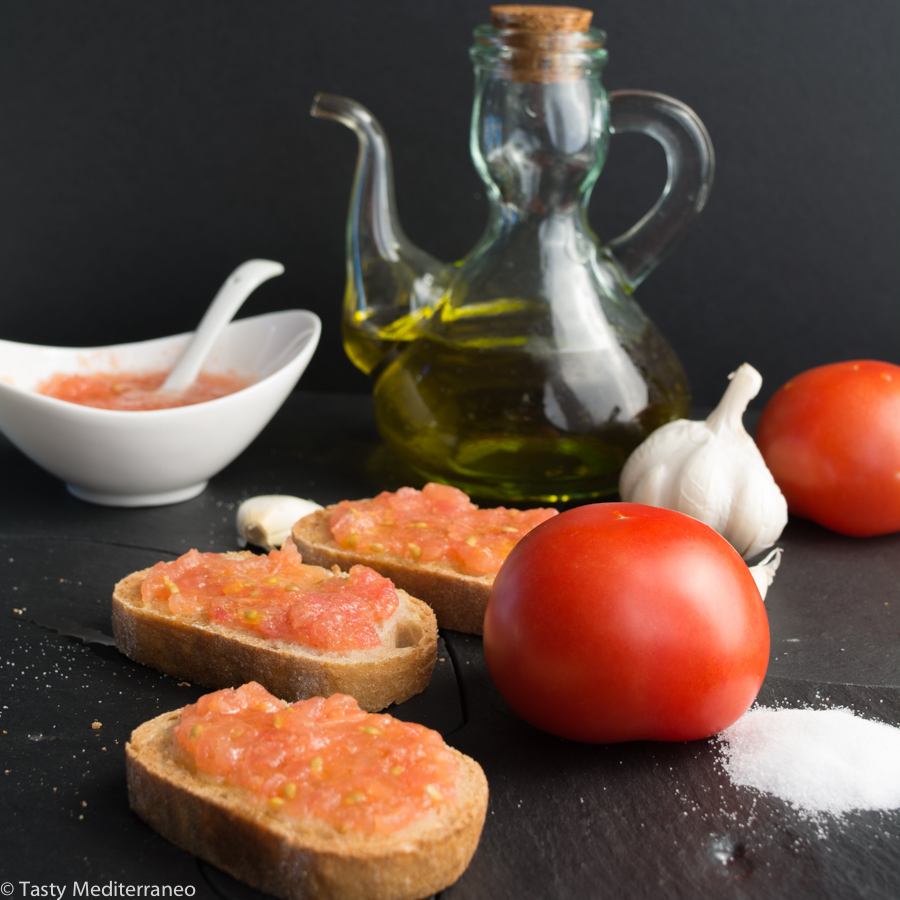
(148, 147)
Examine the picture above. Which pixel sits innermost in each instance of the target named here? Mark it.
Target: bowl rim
(71, 408)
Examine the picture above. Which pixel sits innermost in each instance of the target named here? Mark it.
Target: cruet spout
(392, 286)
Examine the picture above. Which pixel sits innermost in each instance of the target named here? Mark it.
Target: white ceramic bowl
(152, 457)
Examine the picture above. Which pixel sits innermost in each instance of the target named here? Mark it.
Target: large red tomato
(831, 439)
(619, 622)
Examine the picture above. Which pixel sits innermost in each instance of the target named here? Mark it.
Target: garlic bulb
(266, 520)
(712, 471)
(764, 571)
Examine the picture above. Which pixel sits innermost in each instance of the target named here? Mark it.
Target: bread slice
(220, 657)
(458, 600)
(293, 859)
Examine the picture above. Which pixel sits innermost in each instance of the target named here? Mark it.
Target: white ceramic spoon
(239, 285)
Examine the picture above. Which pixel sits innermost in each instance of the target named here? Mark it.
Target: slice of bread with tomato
(218, 656)
(291, 858)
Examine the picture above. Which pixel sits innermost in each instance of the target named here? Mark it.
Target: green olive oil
(514, 423)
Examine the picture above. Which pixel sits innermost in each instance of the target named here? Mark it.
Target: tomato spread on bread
(276, 596)
(320, 759)
(437, 523)
(136, 391)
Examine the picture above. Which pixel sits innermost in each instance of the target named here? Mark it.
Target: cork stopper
(540, 19)
(539, 40)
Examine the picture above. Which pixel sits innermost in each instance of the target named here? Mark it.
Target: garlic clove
(649, 485)
(703, 489)
(759, 515)
(764, 571)
(266, 520)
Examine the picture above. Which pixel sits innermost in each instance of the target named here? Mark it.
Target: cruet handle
(689, 155)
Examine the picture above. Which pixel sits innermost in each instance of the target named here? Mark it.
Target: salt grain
(817, 760)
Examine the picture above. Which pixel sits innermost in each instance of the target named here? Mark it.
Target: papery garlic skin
(712, 471)
(764, 571)
(266, 520)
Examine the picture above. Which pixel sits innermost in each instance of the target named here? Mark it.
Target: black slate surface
(641, 820)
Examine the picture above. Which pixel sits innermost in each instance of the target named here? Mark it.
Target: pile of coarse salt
(818, 760)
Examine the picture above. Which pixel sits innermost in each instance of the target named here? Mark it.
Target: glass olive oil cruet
(525, 371)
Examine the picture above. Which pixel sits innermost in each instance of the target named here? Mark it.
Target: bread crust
(219, 657)
(292, 859)
(459, 601)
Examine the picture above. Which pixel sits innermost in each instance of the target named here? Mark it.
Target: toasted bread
(294, 859)
(458, 600)
(219, 657)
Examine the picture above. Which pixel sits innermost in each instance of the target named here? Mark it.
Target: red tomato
(620, 622)
(831, 439)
